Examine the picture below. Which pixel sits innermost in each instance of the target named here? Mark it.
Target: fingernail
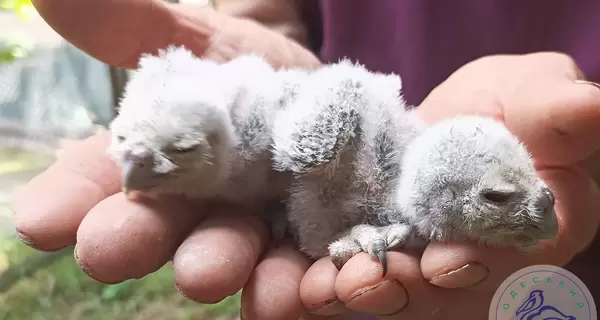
(588, 82)
(81, 265)
(392, 298)
(331, 307)
(468, 275)
(25, 239)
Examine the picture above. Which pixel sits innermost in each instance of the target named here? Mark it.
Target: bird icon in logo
(534, 309)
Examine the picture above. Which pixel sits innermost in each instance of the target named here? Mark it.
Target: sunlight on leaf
(24, 9)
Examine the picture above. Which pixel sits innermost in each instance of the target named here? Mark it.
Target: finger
(403, 293)
(469, 266)
(136, 26)
(155, 25)
(360, 286)
(216, 260)
(317, 289)
(272, 290)
(121, 239)
(479, 102)
(589, 83)
(558, 121)
(49, 209)
(483, 269)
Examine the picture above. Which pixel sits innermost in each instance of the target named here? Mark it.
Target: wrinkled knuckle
(556, 57)
(562, 56)
(560, 63)
(244, 34)
(571, 68)
(565, 62)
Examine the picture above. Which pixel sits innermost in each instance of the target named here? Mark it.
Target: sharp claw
(381, 255)
(337, 262)
(128, 193)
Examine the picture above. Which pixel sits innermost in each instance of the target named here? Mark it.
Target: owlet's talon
(375, 241)
(382, 257)
(338, 262)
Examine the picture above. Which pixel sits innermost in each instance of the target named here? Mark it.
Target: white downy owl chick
(190, 126)
(469, 178)
(465, 178)
(343, 137)
(369, 176)
(215, 132)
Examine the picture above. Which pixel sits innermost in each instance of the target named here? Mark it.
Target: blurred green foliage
(13, 160)
(14, 50)
(22, 8)
(64, 291)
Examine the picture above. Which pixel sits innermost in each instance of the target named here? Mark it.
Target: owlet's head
(469, 178)
(167, 135)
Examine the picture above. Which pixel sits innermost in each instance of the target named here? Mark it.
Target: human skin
(216, 251)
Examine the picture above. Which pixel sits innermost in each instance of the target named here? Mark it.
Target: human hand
(537, 98)
(118, 32)
(215, 251)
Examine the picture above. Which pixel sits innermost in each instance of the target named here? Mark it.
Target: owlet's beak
(137, 169)
(547, 227)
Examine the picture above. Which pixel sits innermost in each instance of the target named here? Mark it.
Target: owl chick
(374, 178)
(357, 170)
(469, 178)
(190, 126)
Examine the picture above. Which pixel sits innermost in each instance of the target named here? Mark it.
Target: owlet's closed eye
(185, 146)
(184, 150)
(498, 197)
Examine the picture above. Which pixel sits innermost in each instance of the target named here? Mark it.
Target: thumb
(114, 32)
(560, 126)
(145, 26)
